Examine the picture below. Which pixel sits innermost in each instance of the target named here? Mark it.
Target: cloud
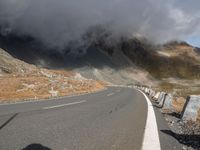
(58, 22)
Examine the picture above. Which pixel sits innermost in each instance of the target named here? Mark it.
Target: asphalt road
(113, 119)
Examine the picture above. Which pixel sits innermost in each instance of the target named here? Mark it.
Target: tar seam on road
(9, 120)
(151, 139)
(68, 104)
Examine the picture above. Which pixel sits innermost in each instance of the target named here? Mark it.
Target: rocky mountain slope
(96, 63)
(22, 81)
(173, 65)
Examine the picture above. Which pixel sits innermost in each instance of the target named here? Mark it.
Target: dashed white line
(151, 137)
(68, 104)
(118, 90)
(110, 94)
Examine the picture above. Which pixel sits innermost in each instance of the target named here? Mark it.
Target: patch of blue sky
(194, 41)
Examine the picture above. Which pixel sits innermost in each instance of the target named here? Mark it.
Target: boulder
(191, 108)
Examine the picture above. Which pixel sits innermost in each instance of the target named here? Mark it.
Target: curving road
(113, 119)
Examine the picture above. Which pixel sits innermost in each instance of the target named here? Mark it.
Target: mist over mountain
(110, 40)
(58, 24)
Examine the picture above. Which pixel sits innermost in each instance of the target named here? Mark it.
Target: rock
(46, 74)
(5, 70)
(78, 76)
(191, 108)
(184, 148)
(53, 93)
(29, 86)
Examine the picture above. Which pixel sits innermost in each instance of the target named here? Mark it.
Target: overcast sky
(56, 22)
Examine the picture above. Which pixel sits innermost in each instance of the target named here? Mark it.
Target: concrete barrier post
(191, 108)
(145, 90)
(161, 99)
(156, 96)
(167, 105)
(152, 93)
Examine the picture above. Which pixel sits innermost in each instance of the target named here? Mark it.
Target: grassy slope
(19, 80)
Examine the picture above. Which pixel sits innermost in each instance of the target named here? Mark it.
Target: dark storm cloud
(56, 22)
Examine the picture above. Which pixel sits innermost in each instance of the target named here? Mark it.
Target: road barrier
(190, 111)
(156, 96)
(161, 99)
(168, 102)
(152, 93)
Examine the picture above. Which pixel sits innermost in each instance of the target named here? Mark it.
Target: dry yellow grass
(198, 117)
(37, 85)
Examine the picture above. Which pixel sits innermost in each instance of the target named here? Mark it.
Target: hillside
(174, 65)
(22, 81)
(96, 63)
(167, 61)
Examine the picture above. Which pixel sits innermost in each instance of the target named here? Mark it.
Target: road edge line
(151, 137)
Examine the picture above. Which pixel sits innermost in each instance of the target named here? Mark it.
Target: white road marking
(118, 90)
(68, 104)
(110, 94)
(151, 137)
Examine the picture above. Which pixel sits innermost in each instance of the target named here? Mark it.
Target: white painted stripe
(151, 139)
(68, 104)
(110, 94)
(118, 90)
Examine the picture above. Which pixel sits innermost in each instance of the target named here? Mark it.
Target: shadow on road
(36, 146)
(189, 140)
(9, 120)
